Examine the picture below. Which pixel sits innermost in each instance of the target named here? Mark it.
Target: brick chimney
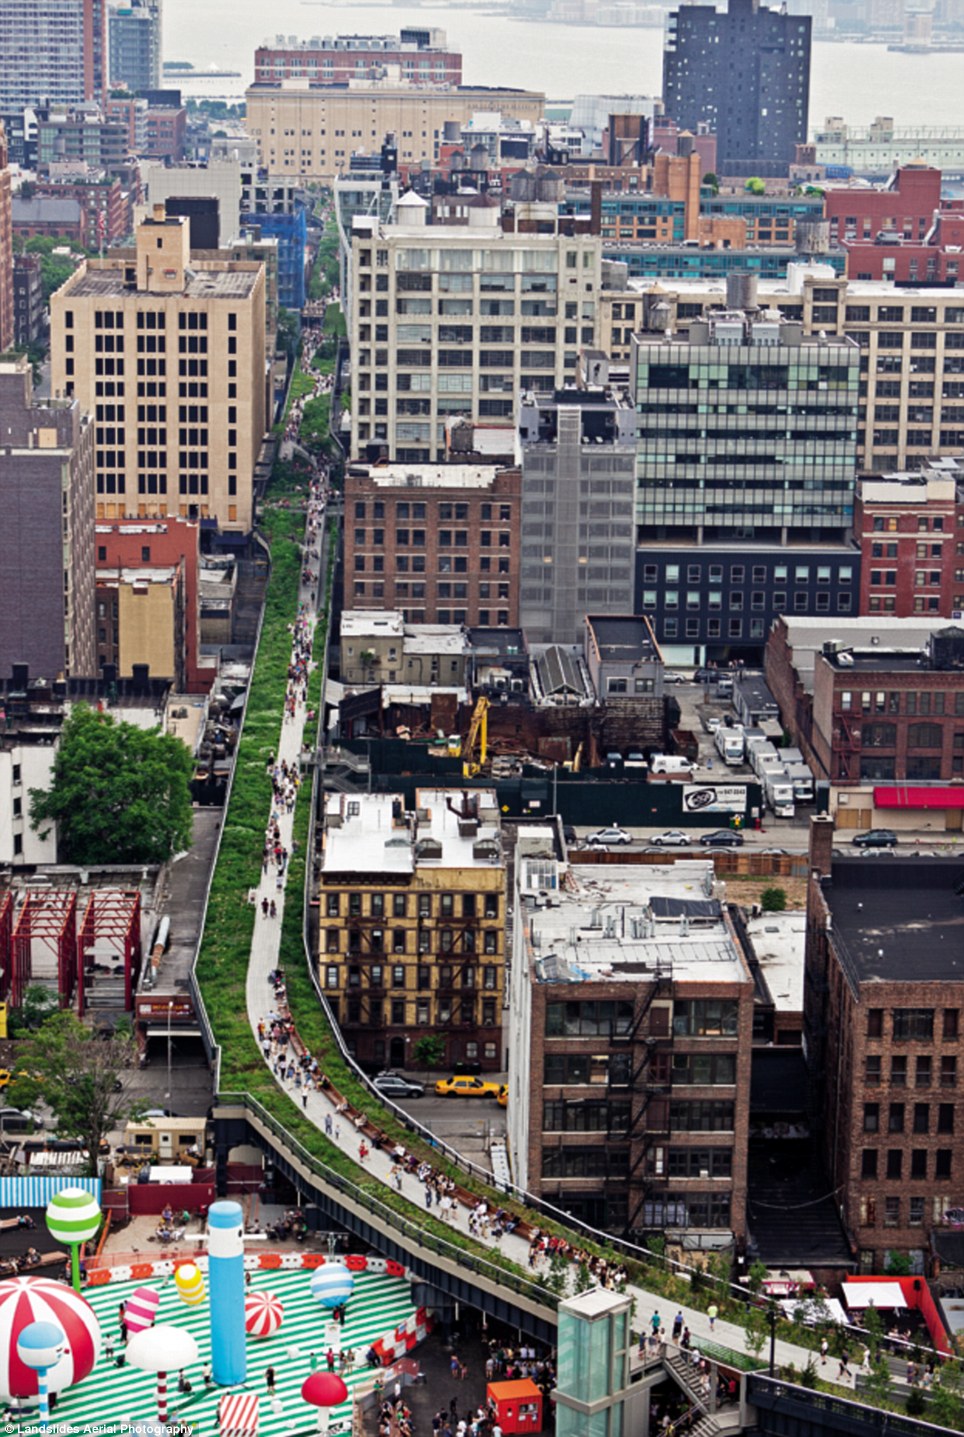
(822, 828)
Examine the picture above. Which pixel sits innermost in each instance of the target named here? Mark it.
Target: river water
(856, 81)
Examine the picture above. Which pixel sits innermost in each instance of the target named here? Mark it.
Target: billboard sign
(714, 798)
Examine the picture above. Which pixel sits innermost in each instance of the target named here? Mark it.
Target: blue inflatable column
(229, 1363)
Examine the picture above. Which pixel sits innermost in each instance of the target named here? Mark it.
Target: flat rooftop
(807, 636)
(898, 920)
(778, 942)
(622, 923)
(110, 283)
(371, 623)
(372, 833)
(878, 661)
(430, 476)
(622, 639)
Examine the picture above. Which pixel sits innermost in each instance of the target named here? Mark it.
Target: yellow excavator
(477, 739)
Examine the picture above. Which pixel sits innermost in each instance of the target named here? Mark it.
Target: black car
(722, 838)
(390, 1085)
(875, 838)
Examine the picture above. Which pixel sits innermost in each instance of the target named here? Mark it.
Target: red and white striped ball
(37, 1299)
(262, 1314)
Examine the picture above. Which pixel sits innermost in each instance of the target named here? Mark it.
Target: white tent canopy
(886, 1295)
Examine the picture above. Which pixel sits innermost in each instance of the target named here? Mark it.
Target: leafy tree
(583, 1280)
(119, 794)
(755, 1330)
(809, 1376)
(711, 181)
(916, 1404)
(287, 332)
(756, 1275)
(878, 1382)
(37, 1005)
(874, 1328)
(430, 1051)
(79, 1076)
(898, 1264)
(946, 1406)
(773, 900)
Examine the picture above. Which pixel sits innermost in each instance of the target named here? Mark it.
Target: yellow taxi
(503, 1098)
(465, 1087)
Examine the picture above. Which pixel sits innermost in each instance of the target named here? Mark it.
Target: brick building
(630, 1029)
(166, 132)
(438, 542)
(882, 1008)
(148, 600)
(907, 527)
(412, 925)
(29, 310)
(105, 212)
(905, 207)
(420, 53)
(46, 559)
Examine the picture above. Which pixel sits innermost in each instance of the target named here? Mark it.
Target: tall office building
(167, 351)
(52, 50)
(455, 319)
(47, 555)
(745, 74)
(135, 45)
(6, 249)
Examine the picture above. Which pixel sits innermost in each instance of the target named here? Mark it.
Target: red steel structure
(49, 919)
(112, 917)
(6, 944)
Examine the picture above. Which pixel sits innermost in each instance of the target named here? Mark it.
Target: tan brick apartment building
(167, 353)
(883, 998)
(438, 542)
(412, 925)
(631, 1018)
(313, 130)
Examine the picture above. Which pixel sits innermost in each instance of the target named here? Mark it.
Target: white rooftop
(791, 284)
(371, 833)
(807, 636)
(438, 476)
(778, 941)
(609, 923)
(371, 623)
(436, 639)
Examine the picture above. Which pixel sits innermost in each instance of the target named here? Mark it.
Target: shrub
(773, 900)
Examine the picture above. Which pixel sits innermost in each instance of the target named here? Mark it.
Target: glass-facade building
(745, 430)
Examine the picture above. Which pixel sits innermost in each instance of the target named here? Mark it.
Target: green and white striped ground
(115, 1395)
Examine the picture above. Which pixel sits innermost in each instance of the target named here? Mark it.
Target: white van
(671, 763)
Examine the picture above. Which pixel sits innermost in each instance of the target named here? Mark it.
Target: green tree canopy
(120, 794)
(80, 1076)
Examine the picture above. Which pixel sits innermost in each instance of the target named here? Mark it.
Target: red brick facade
(909, 560)
(440, 554)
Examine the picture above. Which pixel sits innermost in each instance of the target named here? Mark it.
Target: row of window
(894, 1210)
(449, 905)
(429, 940)
(374, 1014)
(913, 1024)
(759, 573)
(919, 1118)
(912, 702)
(396, 975)
(920, 1167)
(923, 1071)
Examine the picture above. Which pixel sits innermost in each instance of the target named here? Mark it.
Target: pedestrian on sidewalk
(269, 1381)
(712, 1313)
(824, 1349)
(677, 1327)
(844, 1368)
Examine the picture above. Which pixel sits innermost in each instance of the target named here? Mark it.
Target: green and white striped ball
(73, 1215)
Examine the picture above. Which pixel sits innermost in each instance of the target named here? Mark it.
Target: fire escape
(648, 1043)
(847, 740)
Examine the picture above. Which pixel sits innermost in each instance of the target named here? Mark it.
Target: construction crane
(478, 735)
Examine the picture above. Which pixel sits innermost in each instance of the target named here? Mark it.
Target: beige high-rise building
(313, 131)
(167, 353)
(454, 320)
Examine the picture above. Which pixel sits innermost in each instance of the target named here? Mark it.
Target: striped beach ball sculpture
(140, 1309)
(189, 1281)
(262, 1314)
(73, 1216)
(332, 1284)
(24, 1300)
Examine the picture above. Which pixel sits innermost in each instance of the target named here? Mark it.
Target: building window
(918, 1163)
(871, 1117)
(950, 1024)
(948, 1071)
(916, 1217)
(942, 1163)
(895, 1118)
(875, 1017)
(922, 1117)
(898, 1072)
(913, 1025)
(872, 1074)
(922, 1073)
(892, 1212)
(895, 1163)
(945, 1117)
(868, 1165)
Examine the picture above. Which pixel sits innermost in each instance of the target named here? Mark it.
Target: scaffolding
(111, 926)
(48, 919)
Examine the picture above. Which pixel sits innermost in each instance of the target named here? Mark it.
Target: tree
(711, 181)
(430, 1051)
(79, 1076)
(773, 900)
(119, 794)
(946, 1407)
(756, 1276)
(36, 1006)
(874, 1329)
(878, 1381)
(898, 1264)
(756, 1330)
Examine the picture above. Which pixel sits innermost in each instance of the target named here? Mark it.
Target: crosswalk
(116, 1395)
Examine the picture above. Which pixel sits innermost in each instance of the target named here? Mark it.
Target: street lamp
(772, 1324)
(170, 1010)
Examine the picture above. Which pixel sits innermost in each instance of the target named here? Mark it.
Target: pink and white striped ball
(263, 1312)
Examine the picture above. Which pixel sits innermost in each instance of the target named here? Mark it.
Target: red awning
(909, 796)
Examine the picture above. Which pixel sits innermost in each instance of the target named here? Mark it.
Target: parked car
(670, 676)
(672, 838)
(875, 838)
(712, 724)
(722, 838)
(465, 1087)
(610, 835)
(390, 1085)
(15, 1120)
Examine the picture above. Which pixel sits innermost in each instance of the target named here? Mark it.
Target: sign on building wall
(714, 798)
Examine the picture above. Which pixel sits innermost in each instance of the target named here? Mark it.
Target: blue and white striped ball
(332, 1284)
